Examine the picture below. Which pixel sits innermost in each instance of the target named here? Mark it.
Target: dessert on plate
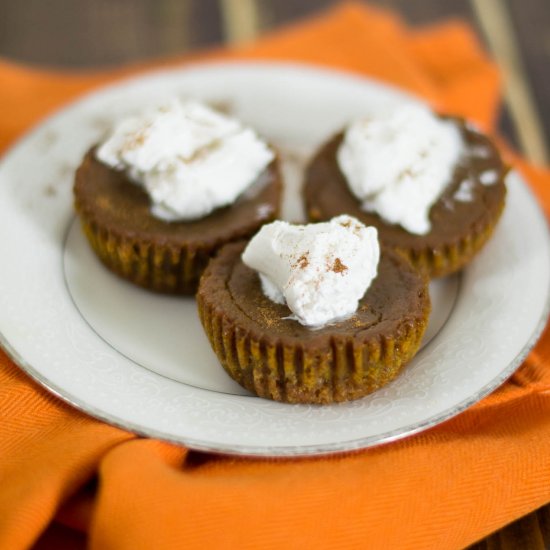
(169, 187)
(313, 313)
(432, 185)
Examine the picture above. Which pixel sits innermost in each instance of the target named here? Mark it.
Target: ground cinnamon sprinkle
(303, 261)
(338, 266)
(136, 141)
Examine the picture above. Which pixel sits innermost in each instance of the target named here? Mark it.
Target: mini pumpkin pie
(168, 188)
(320, 318)
(433, 186)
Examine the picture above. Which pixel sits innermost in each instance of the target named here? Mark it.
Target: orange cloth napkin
(67, 480)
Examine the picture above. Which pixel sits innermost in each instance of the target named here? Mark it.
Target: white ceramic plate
(141, 361)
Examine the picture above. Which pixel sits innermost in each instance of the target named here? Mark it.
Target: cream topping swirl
(319, 270)
(398, 163)
(189, 158)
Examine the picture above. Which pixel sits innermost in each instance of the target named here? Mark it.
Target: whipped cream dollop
(319, 270)
(398, 163)
(189, 158)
